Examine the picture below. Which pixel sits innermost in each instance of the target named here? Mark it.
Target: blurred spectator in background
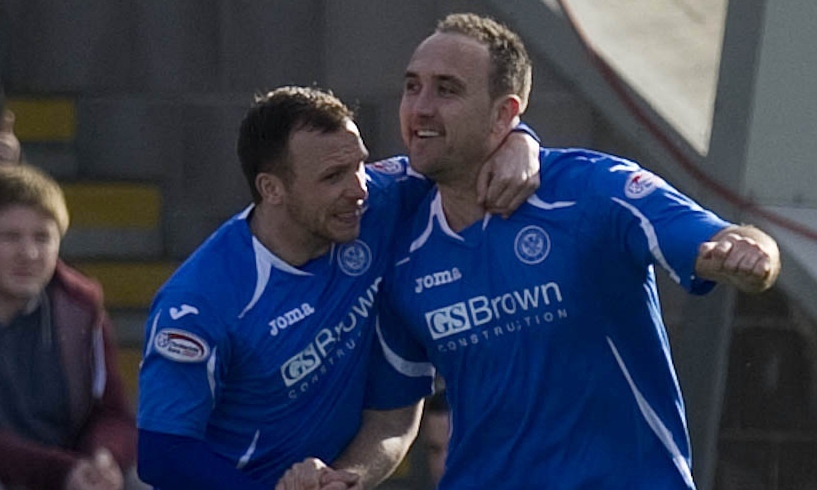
(9, 144)
(65, 422)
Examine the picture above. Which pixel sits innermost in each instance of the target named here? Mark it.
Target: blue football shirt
(266, 362)
(547, 330)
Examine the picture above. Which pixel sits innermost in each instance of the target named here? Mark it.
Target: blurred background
(134, 106)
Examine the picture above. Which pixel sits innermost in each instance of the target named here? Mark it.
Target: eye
(42, 238)
(411, 86)
(333, 176)
(446, 89)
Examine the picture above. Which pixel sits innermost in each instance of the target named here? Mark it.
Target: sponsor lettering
(290, 318)
(480, 310)
(500, 330)
(437, 279)
(330, 344)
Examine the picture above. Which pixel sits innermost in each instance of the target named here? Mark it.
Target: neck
(283, 239)
(11, 307)
(460, 205)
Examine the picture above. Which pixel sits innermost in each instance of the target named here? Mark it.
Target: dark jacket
(99, 410)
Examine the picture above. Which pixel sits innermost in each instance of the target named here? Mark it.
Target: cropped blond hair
(28, 186)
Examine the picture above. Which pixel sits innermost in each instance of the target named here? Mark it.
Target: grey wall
(161, 85)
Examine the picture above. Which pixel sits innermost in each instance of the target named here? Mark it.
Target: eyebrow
(440, 78)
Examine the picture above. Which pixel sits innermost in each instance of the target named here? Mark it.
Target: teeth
(427, 133)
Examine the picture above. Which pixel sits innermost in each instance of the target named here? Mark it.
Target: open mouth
(427, 133)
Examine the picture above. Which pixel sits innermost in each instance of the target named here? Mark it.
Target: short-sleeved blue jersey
(547, 330)
(266, 362)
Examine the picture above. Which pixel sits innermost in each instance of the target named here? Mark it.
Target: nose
(419, 103)
(28, 249)
(357, 188)
(425, 102)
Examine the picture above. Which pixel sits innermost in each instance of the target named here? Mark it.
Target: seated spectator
(65, 422)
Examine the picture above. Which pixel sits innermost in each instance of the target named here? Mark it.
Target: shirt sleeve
(657, 224)
(176, 462)
(186, 350)
(400, 373)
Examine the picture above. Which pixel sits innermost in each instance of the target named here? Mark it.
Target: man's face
(446, 112)
(29, 247)
(324, 198)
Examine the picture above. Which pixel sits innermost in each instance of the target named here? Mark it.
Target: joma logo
(436, 279)
(290, 318)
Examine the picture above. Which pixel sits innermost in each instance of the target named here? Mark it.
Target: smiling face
(446, 112)
(29, 246)
(323, 198)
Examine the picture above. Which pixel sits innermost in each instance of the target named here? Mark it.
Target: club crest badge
(354, 258)
(532, 245)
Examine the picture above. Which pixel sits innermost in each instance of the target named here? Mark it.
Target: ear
(270, 187)
(507, 114)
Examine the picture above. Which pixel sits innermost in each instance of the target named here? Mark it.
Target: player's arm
(179, 462)
(743, 256)
(394, 402)
(380, 445)
(177, 390)
(511, 175)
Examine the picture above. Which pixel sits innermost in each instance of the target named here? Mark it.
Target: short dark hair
(511, 67)
(25, 185)
(263, 140)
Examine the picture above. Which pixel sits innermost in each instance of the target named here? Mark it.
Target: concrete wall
(161, 85)
(781, 167)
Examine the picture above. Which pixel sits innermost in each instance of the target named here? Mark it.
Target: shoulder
(389, 168)
(581, 162)
(228, 246)
(395, 190)
(393, 171)
(582, 172)
(221, 267)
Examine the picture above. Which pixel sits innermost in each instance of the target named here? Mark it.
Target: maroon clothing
(99, 413)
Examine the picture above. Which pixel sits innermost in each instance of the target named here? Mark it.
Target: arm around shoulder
(743, 256)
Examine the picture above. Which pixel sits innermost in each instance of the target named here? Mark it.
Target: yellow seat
(113, 205)
(129, 359)
(44, 119)
(128, 284)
